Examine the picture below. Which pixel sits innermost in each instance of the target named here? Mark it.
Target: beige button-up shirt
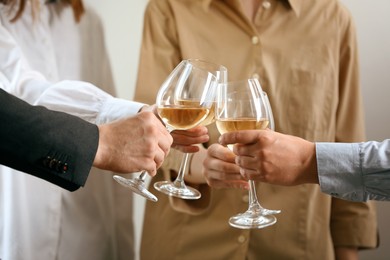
(305, 56)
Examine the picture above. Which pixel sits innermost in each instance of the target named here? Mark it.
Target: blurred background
(123, 19)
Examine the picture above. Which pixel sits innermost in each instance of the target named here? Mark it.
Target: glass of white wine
(180, 190)
(179, 107)
(184, 100)
(242, 105)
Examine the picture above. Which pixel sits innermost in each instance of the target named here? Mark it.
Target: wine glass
(181, 190)
(183, 101)
(191, 97)
(271, 124)
(241, 105)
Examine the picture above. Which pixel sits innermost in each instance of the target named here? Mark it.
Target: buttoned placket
(262, 14)
(266, 4)
(51, 61)
(55, 194)
(243, 234)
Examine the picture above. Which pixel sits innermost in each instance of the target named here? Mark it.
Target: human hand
(186, 140)
(133, 144)
(271, 157)
(220, 169)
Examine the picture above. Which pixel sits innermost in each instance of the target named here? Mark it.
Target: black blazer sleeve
(54, 146)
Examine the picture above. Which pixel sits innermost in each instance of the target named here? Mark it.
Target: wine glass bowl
(183, 101)
(242, 105)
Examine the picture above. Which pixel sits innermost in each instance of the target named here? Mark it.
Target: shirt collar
(294, 4)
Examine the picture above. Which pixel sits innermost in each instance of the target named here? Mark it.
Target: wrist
(99, 156)
(311, 164)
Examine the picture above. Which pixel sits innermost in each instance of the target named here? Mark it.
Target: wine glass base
(250, 220)
(182, 192)
(137, 186)
(270, 211)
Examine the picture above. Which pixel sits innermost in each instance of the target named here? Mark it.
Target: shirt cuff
(116, 108)
(339, 170)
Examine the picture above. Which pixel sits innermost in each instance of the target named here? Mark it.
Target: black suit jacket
(54, 146)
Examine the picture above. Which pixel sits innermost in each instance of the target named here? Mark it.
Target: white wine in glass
(183, 101)
(241, 105)
(180, 190)
(184, 107)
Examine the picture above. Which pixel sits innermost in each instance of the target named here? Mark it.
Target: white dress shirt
(355, 171)
(29, 46)
(40, 221)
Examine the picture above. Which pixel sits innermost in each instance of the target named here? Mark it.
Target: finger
(220, 179)
(224, 176)
(247, 162)
(165, 146)
(148, 165)
(196, 131)
(179, 139)
(152, 172)
(186, 148)
(165, 141)
(220, 170)
(217, 184)
(249, 150)
(242, 137)
(250, 174)
(159, 158)
(220, 152)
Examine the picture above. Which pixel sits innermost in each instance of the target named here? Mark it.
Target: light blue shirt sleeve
(355, 171)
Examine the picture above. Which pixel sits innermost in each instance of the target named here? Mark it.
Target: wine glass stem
(184, 167)
(142, 176)
(254, 204)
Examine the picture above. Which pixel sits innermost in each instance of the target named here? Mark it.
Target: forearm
(57, 147)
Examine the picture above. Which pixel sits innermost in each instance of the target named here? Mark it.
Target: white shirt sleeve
(15, 75)
(86, 101)
(355, 171)
(78, 98)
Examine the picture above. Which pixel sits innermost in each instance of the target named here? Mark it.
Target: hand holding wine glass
(180, 190)
(183, 101)
(184, 106)
(241, 105)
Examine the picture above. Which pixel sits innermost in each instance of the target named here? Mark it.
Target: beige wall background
(123, 26)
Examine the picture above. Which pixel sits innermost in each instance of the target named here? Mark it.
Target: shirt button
(53, 164)
(241, 239)
(266, 5)
(255, 76)
(64, 167)
(245, 198)
(46, 161)
(255, 40)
